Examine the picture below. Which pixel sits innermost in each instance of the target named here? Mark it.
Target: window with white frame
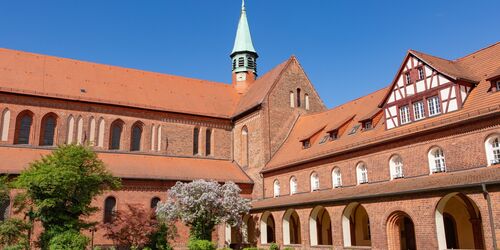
(396, 167)
(276, 192)
(362, 173)
(493, 150)
(404, 113)
(336, 178)
(434, 106)
(293, 185)
(437, 161)
(314, 182)
(408, 77)
(421, 74)
(292, 99)
(418, 110)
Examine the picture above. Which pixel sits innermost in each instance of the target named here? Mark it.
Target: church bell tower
(243, 57)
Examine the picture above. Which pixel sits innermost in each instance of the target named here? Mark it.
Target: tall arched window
(48, 129)
(100, 134)
(298, 97)
(109, 209)
(292, 99)
(244, 146)
(293, 185)
(79, 131)
(362, 173)
(276, 188)
(70, 130)
(23, 127)
(196, 138)
(437, 162)
(116, 135)
(135, 140)
(154, 202)
(493, 150)
(92, 131)
(396, 167)
(208, 142)
(153, 137)
(306, 100)
(314, 181)
(5, 125)
(336, 178)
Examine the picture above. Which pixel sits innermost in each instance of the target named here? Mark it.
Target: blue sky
(348, 48)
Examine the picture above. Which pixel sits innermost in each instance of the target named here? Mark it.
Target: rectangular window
(306, 144)
(418, 110)
(421, 74)
(404, 114)
(434, 106)
(367, 125)
(208, 142)
(408, 77)
(196, 136)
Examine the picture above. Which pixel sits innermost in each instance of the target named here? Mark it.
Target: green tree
(61, 187)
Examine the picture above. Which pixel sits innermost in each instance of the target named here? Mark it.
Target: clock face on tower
(241, 76)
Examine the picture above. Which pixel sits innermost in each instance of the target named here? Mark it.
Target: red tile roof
(449, 180)
(136, 166)
(480, 102)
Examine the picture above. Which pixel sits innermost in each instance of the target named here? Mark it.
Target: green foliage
(16, 247)
(69, 240)
(252, 248)
(158, 240)
(224, 248)
(4, 188)
(195, 244)
(61, 187)
(14, 232)
(288, 248)
(274, 246)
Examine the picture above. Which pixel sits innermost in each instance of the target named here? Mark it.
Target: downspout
(486, 195)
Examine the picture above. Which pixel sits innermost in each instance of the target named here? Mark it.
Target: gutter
(486, 195)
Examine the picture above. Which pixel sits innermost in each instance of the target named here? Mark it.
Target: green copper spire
(243, 41)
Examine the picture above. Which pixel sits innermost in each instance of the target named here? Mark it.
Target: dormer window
(434, 106)
(404, 114)
(408, 77)
(333, 135)
(367, 125)
(306, 143)
(421, 74)
(498, 85)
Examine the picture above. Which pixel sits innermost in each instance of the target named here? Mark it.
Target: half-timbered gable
(425, 86)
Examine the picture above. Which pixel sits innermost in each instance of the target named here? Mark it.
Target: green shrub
(224, 248)
(274, 246)
(250, 248)
(288, 248)
(16, 247)
(69, 240)
(201, 245)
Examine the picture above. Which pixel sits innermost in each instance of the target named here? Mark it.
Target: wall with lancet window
(56, 122)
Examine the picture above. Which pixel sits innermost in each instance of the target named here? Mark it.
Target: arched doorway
(458, 223)
(356, 226)
(291, 228)
(248, 231)
(320, 227)
(400, 232)
(267, 228)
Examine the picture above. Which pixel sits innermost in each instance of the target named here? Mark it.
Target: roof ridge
(427, 54)
(112, 66)
(477, 51)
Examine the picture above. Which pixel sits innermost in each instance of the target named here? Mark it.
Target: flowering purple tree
(202, 205)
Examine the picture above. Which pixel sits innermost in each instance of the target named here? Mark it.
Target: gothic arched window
(314, 181)
(244, 146)
(298, 97)
(196, 138)
(23, 127)
(116, 134)
(109, 209)
(48, 129)
(208, 142)
(135, 142)
(336, 178)
(5, 122)
(362, 173)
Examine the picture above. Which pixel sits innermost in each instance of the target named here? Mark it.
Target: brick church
(415, 165)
